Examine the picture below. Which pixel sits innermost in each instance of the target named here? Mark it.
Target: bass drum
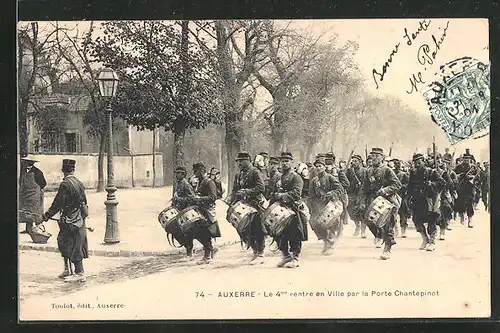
(329, 218)
(277, 217)
(191, 218)
(379, 211)
(239, 215)
(167, 216)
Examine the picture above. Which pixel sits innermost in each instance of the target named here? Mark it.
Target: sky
(377, 40)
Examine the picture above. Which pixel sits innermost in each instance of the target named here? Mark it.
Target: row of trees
(213, 78)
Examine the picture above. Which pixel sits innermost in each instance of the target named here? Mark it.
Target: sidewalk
(139, 230)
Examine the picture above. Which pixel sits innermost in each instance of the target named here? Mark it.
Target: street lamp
(108, 84)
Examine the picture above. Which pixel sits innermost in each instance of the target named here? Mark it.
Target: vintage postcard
(254, 169)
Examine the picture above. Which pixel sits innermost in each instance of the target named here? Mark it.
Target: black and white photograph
(253, 169)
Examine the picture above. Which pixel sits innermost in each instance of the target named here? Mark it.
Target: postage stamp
(459, 99)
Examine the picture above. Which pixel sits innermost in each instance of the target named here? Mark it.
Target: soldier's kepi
(71, 202)
(381, 181)
(248, 189)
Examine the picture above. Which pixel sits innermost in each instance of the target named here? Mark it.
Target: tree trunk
(178, 155)
(23, 128)
(154, 158)
(100, 163)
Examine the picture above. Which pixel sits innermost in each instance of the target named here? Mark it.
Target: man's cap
(468, 156)
(320, 160)
(199, 165)
(180, 169)
(320, 155)
(263, 153)
(274, 159)
(330, 155)
(378, 151)
(417, 157)
(243, 156)
(356, 157)
(68, 163)
(286, 156)
(28, 159)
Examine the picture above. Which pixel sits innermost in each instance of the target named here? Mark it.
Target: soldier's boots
(207, 257)
(258, 259)
(431, 246)
(425, 241)
(448, 225)
(386, 254)
(397, 230)
(64, 274)
(378, 242)
(470, 223)
(328, 247)
(285, 260)
(363, 230)
(357, 230)
(462, 219)
(294, 263)
(403, 232)
(442, 233)
(213, 252)
(78, 277)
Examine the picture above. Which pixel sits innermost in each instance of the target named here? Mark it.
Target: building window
(36, 146)
(52, 144)
(70, 139)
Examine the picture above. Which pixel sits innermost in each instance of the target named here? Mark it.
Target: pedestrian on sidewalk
(31, 185)
(71, 202)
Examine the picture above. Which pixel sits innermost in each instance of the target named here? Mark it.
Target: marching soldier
(71, 202)
(424, 189)
(381, 180)
(249, 186)
(323, 188)
(404, 210)
(206, 195)
(446, 196)
(290, 242)
(274, 184)
(466, 174)
(181, 199)
(485, 186)
(340, 175)
(355, 174)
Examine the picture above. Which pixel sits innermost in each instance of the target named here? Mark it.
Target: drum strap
(171, 240)
(277, 246)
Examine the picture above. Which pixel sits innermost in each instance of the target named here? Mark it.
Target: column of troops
(278, 198)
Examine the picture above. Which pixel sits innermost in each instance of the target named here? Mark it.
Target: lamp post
(108, 84)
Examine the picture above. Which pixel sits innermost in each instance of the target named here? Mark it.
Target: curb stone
(120, 253)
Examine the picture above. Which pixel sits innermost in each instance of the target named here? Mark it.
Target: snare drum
(277, 217)
(379, 211)
(167, 216)
(190, 218)
(330, 215)
(240, 215)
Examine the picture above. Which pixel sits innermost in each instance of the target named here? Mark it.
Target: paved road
(355, 283)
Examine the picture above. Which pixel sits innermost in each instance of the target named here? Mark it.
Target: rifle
(350, 156)
(390, 149)
(366, 152)
(434, 151)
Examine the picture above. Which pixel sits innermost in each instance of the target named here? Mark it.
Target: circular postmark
(459, 99)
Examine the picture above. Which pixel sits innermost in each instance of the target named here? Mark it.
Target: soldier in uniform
(466, 174)
(404, 210)
(249, 186)
(274, 184)
(323, 188)
(369, 161)
(355, 174)
(424, 190)
(71, 202)
(447, 156)
(485, 186)
(205, 197)
(478, 186)
(381, 180)
(31, 185)
(290, 242)
(446, 196)
(340, 175)
(181, 199)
